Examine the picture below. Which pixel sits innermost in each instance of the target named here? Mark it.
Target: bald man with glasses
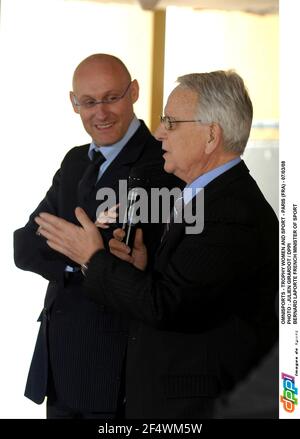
(79, 356)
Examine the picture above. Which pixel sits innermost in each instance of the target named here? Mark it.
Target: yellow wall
(123, 30)
(212, 40)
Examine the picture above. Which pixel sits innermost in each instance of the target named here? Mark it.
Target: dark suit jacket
(86, 342)
(205, 314)
(256, 397)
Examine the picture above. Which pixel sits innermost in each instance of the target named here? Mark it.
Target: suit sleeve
(204, 276)
(31, 252)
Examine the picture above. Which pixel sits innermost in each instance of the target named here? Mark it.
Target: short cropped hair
(223, 99)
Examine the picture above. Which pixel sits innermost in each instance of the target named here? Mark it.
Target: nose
(101, 110)
(161, 132)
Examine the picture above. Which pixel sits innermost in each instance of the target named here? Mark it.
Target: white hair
(223, 99)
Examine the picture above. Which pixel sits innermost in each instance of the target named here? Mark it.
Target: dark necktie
(89, 178)
(176, 211)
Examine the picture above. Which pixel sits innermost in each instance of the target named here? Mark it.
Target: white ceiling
(257, 6)
(254, 6)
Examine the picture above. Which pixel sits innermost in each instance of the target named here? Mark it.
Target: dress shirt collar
(193, 188)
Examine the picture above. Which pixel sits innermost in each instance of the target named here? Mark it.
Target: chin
(107, 137)
(106, 140)
(168, 168)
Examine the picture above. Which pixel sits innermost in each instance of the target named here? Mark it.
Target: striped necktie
(174, 217)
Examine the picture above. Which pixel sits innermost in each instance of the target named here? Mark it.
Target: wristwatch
(84, 268)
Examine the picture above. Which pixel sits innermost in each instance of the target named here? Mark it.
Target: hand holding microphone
(137, 255)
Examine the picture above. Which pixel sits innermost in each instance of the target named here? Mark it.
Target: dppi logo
(288, 398)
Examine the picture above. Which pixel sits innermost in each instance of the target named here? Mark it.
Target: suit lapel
(172, 238)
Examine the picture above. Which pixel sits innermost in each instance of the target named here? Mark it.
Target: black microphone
(136, 180)
(129, 223)
(139, 179)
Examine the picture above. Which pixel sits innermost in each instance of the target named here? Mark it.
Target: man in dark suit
(80, 350)
(204, 316)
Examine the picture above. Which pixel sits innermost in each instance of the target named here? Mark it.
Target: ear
(214, 137)
(134, 91)
(75, 108)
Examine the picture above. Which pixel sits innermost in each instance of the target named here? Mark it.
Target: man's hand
(138, 258)
(107, 217)
(75, 242)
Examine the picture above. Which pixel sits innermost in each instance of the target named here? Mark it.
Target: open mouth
(104, 126)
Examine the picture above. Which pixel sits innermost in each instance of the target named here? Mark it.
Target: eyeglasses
(170, 123)
(89, 103)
